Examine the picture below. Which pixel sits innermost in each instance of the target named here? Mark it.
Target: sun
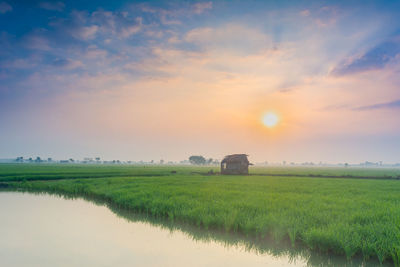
(270, 119)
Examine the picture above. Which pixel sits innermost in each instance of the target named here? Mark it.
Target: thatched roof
(236, 158)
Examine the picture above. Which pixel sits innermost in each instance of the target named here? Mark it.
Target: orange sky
(149, 82)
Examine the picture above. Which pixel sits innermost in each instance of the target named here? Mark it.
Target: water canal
(49, 230)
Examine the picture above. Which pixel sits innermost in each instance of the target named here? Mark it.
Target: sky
(153, 80)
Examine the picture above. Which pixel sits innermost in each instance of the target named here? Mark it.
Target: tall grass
(335, 215)
(42, 171)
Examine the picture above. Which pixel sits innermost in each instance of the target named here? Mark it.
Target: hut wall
(234, 168)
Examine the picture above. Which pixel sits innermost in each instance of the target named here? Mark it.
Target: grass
(31, 172)
(342, 216)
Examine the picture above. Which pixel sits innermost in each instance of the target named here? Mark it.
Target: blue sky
(167, 79)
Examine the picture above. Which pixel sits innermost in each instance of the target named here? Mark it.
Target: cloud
(130, 30)
(37, 42)
(165, 16)
(68, 64)
(86, 32)
(376, 58)
(106, 25)
(305, 13)
(322, 17)
(174, 39)
(18, 64)
(199, 8)
(54, 6)
(95, 53)
(169, 18)
(174, 15)
(118, 24)
(387, 105)
(327, 16)
(5, 7)
(234, 37)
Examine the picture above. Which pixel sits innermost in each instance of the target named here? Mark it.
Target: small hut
(235, 164)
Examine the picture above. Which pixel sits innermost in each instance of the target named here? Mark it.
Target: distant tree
(71, 160)
(161, 161)
(20, 159)
(38, 159)
(98, 158)
(49, 159)
(346, 165)
(210, 161)
(197, 160)
(30, 160)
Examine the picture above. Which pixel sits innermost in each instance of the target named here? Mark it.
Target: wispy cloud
(175, 14)
(375, 58)
(54, 6)
(86, 32)
(118, 24)
(305, 13)
(322, 17)
(19, 64)
(387, 105)
(5, 7)
(199, 8)
(37, 41)
(67, 63)
(132, 29)
(236, 37)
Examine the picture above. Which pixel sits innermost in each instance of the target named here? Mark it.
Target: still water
(47, 230)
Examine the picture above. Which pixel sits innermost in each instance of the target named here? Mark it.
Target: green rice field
(353, 212)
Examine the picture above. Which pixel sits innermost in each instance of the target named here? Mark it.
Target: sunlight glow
(270, 119)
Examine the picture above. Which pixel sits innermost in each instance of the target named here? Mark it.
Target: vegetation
(198, 160)
(338, 215)
(31, 172)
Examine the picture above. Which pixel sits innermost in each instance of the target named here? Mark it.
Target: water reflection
(126, 238)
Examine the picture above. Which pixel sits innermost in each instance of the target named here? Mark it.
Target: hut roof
(235, 158)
